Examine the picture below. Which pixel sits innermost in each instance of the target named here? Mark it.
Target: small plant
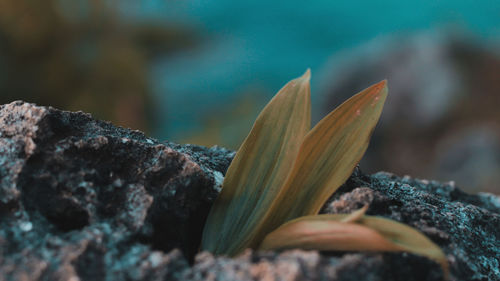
(283, 173)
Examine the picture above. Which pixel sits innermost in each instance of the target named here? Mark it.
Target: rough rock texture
(82, 199)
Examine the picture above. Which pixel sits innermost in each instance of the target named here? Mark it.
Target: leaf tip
(380, 86)
(356, 215)
(377, 92)
(306, 77)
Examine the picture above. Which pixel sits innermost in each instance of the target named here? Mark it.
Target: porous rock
(81, 199)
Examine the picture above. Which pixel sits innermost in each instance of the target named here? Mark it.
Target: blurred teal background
(200, 71)
(263, 44)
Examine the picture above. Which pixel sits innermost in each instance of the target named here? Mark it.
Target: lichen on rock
(81, 199)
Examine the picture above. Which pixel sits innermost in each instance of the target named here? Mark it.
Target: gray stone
(81, 199)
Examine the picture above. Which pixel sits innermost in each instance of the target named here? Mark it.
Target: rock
(81, 199)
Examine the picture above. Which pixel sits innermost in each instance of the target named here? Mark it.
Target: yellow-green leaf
(259, 168)
(327, 157)
(367, 233)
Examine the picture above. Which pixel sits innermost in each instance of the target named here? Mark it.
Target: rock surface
(81, 199)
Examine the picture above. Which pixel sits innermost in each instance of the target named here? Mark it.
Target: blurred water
(262, 44)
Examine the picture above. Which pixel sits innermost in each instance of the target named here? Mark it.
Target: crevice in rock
(90, 265)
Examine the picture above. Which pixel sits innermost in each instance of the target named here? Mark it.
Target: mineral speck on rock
(81, 199)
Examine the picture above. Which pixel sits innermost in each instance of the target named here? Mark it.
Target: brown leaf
(367, 233)
(327, 157)
(259, 169)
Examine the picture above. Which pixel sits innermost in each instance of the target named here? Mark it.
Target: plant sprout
(284, 172)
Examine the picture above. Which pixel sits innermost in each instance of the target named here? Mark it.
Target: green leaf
(341, 233)
(327, 157)
(259, 169)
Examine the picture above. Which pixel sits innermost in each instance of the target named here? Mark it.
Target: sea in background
(259, 45)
